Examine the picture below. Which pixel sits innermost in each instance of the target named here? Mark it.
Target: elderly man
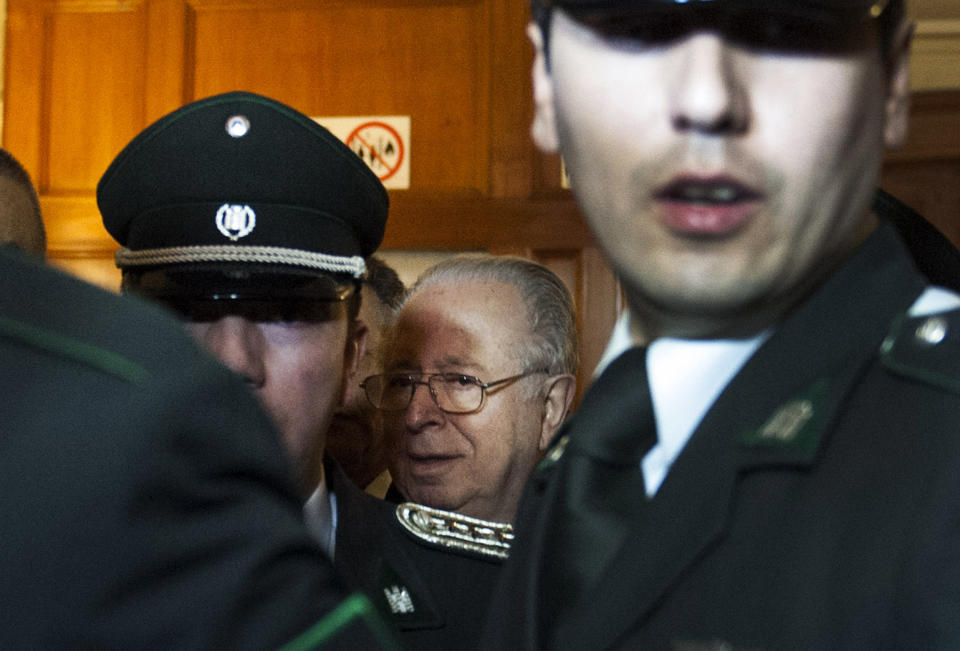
(772, 464)
(480, 374)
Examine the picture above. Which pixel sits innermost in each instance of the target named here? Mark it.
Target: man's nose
(422, 410)
(239, 344)
(708, 91)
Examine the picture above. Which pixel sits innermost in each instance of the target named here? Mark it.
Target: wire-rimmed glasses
(454, 393)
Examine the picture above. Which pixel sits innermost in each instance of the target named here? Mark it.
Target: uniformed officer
(252, 222)
(355, 436)
(772, 462)
(146, 502)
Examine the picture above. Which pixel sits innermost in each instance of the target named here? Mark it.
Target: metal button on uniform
(932, 331)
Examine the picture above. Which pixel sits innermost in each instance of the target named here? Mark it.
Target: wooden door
(83, 77)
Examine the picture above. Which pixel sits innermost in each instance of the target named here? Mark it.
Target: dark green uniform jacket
(144, 500)
(817, 506)
(431, 577)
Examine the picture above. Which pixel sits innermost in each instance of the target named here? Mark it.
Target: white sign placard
(381, 141)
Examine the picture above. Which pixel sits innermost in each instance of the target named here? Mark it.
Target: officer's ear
(897, 106)
(556, 403)
(544, 127)
(356, 348)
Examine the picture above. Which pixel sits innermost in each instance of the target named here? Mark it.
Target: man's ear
(355, 350)
(556, 404)
(544, 127)
(898, 87)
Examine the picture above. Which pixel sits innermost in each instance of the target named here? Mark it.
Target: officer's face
(719, 179)
(473, 463)
(296, 369)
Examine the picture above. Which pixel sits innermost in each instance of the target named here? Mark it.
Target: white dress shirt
(687, 375)
(320, 514)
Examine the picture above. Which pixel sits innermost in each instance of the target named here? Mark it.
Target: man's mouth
(713, 207)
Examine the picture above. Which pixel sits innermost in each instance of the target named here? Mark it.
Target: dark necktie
(601, 485)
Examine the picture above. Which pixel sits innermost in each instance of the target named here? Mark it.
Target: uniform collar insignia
(795, 425)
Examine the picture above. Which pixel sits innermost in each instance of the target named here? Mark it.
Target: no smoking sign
(382, 142)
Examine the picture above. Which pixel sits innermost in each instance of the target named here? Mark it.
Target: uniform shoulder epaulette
(926, 349)
(457, 532)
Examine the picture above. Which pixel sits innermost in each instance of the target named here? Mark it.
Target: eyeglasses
(453, 393)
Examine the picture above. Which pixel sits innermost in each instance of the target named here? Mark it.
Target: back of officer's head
(238, 203)
(21, 224)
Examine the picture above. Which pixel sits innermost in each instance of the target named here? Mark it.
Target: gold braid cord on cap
(456, 531)
(352, 265)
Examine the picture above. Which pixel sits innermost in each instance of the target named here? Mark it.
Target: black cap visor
(258, 293)
(755, 25)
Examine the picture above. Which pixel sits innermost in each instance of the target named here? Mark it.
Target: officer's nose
(237, 343)
(422, 411)
(708, 94)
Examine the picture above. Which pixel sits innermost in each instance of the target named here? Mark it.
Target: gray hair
(550, 310)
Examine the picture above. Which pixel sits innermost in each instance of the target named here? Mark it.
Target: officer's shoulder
(68, 319)
(455, 533)
(925, 349)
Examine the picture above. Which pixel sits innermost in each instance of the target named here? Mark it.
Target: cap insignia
(237, 126)
(236, 221)
(456, 531)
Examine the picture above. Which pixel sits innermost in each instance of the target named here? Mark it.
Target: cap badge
(237, 126)
(236, 221)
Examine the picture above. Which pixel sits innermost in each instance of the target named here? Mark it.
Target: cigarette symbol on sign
(379, 146)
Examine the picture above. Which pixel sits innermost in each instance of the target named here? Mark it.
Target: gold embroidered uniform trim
(352, 265)
(456, 531)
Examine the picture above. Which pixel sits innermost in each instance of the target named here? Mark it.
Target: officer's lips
(707, 207)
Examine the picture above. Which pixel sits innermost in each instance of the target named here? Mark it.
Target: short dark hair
(35, 236)
(385, 282)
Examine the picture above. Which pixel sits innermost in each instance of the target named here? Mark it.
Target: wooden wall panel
(430, 61)
(84, 76)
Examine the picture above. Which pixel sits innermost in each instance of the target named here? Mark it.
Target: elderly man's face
(718, 178)
(297, 371)
(474, 463)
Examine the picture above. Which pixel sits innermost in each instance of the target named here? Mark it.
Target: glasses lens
(389, 392)
(456, 394)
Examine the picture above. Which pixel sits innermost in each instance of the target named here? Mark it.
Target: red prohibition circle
(355, 135)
